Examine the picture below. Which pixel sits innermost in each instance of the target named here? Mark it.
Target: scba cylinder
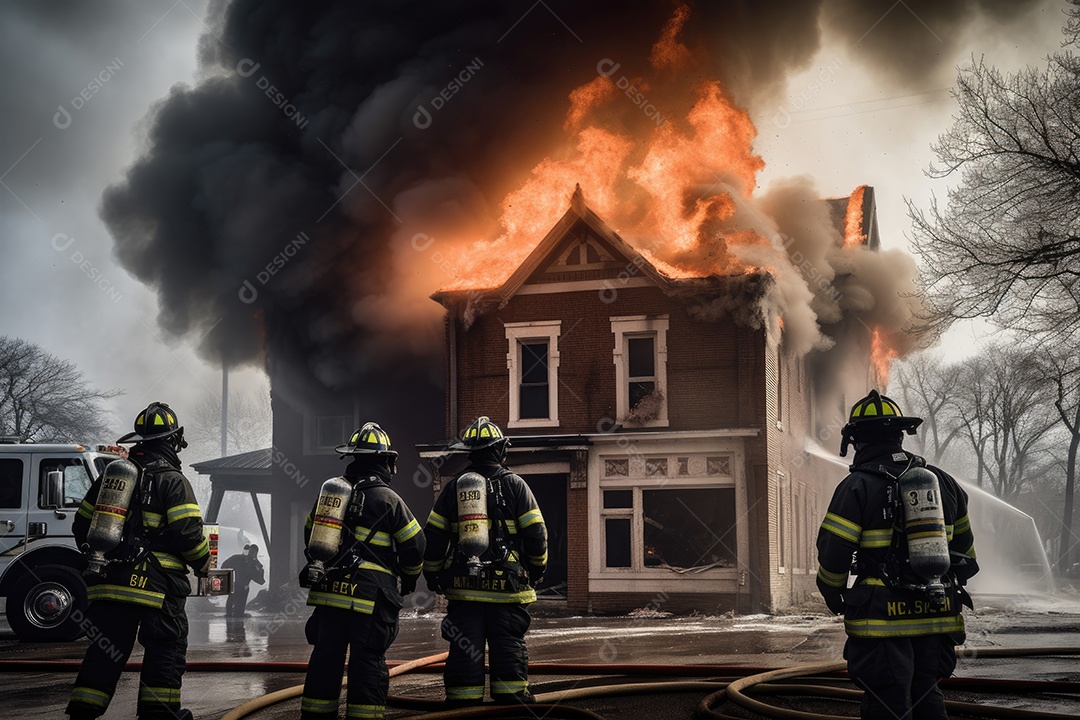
(106, 531)
(924, 526)
(327, 526)
(472, 519)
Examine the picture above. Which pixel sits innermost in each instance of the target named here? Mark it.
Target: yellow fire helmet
(875, 414)
(370, 439)
(481, 434)
(157, 421)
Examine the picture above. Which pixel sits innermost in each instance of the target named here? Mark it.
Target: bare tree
(250, 423)
(1003, 409)
(1006, 244)
(1062, 368)
(927, 390)
(46, 399)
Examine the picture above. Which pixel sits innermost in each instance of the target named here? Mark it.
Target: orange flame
(853, 220)
(882, 355)
(667, 164)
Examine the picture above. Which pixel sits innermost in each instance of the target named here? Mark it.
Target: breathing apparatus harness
(896, 570)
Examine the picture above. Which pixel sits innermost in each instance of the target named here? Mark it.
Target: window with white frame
(533, 361)
(664, 514)
(640, 358)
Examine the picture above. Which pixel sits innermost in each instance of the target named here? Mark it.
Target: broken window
(689, 528)
(534, 380)
(641, 357)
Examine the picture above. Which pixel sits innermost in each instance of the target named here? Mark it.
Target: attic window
(532, 360)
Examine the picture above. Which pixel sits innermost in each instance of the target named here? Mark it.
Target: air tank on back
(327, 527)
(106, 530)
(472, 519)
(924, 526)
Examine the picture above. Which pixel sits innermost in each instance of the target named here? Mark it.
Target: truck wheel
(48, 603)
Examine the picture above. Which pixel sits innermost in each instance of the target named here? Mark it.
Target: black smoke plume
(275, 206)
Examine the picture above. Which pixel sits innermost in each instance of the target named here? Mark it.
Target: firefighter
(361, 538)
(902, 615)
(246, 570)
(487, 550)
(144, 584)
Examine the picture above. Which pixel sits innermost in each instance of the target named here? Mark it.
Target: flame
(853, 220)
(670, 182)
(882, 354)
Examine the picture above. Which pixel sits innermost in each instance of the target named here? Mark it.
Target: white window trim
(631, 325)
(604, 579)
(516, 334)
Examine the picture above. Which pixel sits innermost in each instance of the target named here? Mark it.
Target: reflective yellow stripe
(465, 692)
(539, 559)
(169, 562)
(90, 696)
(522, 596)
(308, 523)
(962, 525)
(86, 510)
(378, 537)
(365, 712)
(365, 565)
(168, 696)
(317, 705)
(181, 512)
(950, 530)
(970, 552)
(508, 687)
(436, 520)
(841, 527)
(121, 593)
(838, 580)
(342, 602)
(433, 565)
(151, 519)
(198, 551)
(876, 538)
(412, 569)
(530, 518)
(912, 627)
(407, 532)
(877, 582)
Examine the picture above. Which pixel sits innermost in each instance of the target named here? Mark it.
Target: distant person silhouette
(246, 569)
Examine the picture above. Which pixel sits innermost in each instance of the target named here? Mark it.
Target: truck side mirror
(52, 494)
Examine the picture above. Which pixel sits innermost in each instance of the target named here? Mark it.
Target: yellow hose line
(734, 691)
(265, 701)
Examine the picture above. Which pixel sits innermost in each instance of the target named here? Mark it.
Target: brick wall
(705, 368)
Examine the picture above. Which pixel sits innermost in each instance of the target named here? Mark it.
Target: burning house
(664, 435)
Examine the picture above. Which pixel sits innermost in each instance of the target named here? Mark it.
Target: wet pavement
(638, 638)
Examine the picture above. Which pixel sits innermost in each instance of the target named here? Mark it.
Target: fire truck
(41, 488)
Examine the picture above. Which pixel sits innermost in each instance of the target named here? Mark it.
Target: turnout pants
(332, 632)
(236, 603)
(899, 676)
(503, 626)
(113, 628)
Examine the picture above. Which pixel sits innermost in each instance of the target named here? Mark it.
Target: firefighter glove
(835, 603)
(433, 583)
(408, 584)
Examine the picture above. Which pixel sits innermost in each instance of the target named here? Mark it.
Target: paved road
(646, 638)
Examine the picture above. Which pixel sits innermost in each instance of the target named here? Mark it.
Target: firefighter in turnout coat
(487, 549)
(375, 540)
(145, 583)
(902, 622)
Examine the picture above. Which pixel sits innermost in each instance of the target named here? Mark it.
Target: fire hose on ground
(733, 684)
